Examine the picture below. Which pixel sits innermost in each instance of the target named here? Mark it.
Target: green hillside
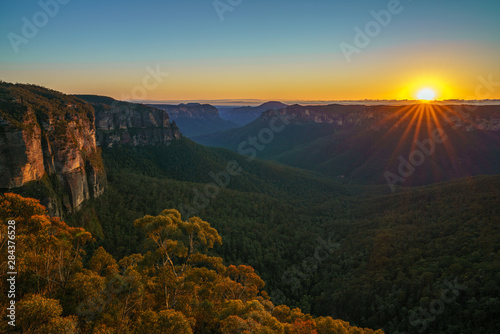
(363, 143)
(379, 261)
(423, 259)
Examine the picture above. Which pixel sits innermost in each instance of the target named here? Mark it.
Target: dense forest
(176, 286)
(356, 253)
(142, 257)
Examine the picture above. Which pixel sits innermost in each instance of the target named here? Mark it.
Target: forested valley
(176, 237)
(360, 254)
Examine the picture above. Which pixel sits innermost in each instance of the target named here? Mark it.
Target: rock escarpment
(49, 138)
(459, 117)
(190, 110)
(406, 145)
(196, 119)
(127, 123)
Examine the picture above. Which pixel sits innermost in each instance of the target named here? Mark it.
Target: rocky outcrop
(462, 117)
(127, 123)
(406, 145)
(48, 136)
(190, 110)
(21, 155)
(196, 119)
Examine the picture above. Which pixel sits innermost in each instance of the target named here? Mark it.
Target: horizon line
(257, 102)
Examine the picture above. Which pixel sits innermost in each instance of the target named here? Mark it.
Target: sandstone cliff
(49, 137)
(461, 117)
(190, 110)
(411, 144)
(196, 119)
(127, 123)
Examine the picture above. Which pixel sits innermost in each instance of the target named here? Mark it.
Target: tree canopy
(176, 286)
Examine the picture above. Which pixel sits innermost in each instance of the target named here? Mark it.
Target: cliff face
(49, 136)
(49, 142)
(190, 110)
(126, 123)
(196, 119)
(396, 145)
(458, 117)
(21, 155)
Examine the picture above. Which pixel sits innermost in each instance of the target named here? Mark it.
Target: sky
(193, 50)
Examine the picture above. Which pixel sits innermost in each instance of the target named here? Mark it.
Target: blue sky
(87, 42)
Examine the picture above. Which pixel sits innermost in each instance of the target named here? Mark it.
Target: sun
(426, 94)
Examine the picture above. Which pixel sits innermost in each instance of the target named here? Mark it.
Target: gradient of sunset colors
(267, 50)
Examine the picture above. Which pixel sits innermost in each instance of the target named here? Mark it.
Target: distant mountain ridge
(366, 143)
(330, 246)
(470, 117)
(245, 115)
(196, 119)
